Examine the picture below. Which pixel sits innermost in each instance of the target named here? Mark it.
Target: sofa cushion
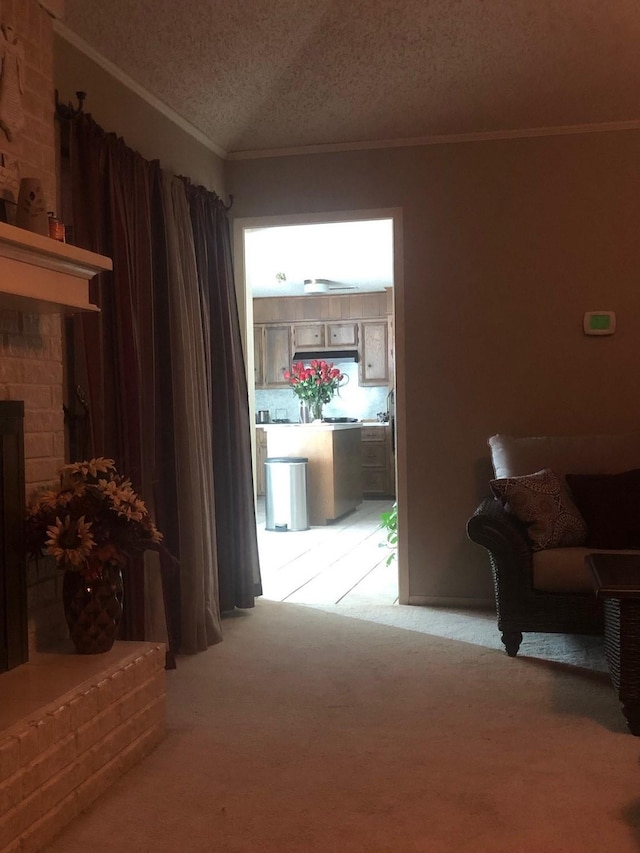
(583, 454)
(610, 506)
(542, 500)
(564, 570)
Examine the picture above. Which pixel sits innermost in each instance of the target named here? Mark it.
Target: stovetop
(340, 420)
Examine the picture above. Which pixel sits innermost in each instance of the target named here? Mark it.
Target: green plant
(390, 524)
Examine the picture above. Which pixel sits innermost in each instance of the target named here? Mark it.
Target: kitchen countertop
(318, 426)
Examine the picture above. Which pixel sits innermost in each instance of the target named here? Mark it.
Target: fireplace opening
(13, 581)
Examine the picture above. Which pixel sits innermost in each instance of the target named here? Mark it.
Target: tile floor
(343, 563)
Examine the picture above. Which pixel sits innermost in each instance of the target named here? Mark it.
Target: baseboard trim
(446, 601)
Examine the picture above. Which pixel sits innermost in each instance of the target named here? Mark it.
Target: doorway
(357, 538)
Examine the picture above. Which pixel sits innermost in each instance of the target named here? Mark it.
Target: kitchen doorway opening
(302, 280)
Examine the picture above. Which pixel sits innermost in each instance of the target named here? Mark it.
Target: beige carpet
(314, 731)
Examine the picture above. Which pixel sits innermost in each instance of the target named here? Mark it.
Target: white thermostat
(599, 322)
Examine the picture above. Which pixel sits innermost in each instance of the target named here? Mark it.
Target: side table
(616, 580)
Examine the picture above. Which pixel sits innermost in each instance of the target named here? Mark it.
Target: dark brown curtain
(127, 360)
(237, 545)
(113, 349)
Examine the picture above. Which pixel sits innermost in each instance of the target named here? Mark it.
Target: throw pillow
(610, 506)
(542, 500)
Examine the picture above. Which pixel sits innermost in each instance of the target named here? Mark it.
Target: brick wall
(31, 344)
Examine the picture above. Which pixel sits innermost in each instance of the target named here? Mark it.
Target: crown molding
(54, 7)
(444, 139)
(65, 33)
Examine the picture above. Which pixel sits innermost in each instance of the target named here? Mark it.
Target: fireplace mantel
(41, 275)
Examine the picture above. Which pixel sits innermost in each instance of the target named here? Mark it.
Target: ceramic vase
(31, 212)
(93, 609)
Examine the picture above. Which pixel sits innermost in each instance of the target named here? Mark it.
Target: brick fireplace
(70, 724)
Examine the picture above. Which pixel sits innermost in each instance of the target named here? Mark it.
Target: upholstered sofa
(554, 500)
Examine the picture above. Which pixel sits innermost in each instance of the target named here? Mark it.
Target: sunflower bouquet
(94, 517)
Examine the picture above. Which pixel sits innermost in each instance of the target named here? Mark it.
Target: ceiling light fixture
(316, 285)
(325, 285)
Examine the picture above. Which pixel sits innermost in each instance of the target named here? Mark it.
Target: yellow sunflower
(70, 542)
(91, 467)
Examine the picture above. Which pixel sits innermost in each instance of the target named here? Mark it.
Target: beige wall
(120, 110)
(506, 245)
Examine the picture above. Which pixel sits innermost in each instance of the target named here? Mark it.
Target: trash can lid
(286, 459)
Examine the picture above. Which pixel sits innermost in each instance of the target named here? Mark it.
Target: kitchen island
(334, 472)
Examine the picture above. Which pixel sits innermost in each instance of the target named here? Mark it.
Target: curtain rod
(68, 111)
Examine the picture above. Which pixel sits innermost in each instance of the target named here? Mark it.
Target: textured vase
(93, 609)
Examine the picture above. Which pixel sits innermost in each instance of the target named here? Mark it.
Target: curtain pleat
(111, 198)
(193, 428)
(237, 544)
(163, 370)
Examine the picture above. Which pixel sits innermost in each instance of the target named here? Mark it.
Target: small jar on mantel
(56, 228)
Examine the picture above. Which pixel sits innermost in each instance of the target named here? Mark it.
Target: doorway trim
(245, 308)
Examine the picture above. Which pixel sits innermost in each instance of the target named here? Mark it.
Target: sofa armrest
(510, 555)
(499, 531)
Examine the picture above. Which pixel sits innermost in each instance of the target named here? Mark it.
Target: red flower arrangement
(315, 384)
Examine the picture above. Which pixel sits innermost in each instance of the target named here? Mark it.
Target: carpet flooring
(311, 730)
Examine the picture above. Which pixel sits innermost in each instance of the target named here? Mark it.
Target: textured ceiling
(265, 74)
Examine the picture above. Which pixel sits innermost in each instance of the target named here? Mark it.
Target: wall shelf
(41, 275)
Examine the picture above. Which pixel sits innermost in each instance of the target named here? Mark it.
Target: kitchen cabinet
(324, 336)
(258, 356)
(261, 458)
(342, 335)
(272, 354)
(378, 464)
(374, 352)
(308, 336)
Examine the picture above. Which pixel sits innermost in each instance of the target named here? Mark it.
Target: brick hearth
(70, 725)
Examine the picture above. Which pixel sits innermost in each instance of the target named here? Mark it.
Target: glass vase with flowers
(314, 385)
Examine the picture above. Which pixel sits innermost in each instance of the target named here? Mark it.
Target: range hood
(337, 356)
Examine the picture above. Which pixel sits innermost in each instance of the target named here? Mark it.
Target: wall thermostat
(599, 322)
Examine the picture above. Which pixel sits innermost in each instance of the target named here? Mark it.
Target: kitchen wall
(351, 401)
(506, 244)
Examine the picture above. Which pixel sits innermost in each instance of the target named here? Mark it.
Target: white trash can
(286, 493)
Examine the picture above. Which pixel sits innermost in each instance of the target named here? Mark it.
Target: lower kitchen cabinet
(378, 464)
(261, 458)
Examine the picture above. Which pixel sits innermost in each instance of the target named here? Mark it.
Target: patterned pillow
(543, 501)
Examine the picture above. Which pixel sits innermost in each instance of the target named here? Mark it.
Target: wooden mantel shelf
(41, 275)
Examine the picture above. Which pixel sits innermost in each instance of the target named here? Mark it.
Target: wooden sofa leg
(512, 640)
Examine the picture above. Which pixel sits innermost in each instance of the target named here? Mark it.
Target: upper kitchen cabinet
(308, 336)
(374, 353)
(342, 334)
(313, 336)
(277, 356)
(258, 356)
